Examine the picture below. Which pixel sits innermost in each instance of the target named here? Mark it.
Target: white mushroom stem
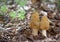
(44, 33)
(34, 32)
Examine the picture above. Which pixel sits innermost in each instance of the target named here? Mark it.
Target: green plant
(12, 14)
(21, 14)
(3, 8)
(21, 2)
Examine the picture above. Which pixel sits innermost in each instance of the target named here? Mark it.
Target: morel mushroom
(34, 23)
(44, 25)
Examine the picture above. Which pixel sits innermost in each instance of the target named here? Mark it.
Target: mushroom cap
(34, 23)
(44, 24)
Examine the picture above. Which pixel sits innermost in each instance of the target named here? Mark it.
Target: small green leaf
(12, 14)
(21, 17)
(23, 2)
(21, 14)
(4, 8)
(16, 1)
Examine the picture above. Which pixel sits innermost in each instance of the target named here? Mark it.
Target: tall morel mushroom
(34, 23)
(44, 25)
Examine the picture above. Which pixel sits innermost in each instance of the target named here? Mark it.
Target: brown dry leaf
(1, 22)
(51, 15)
(14, 31)
(44, 24)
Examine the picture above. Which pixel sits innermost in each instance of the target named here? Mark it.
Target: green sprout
(21, 14)
(12, 14)
(23, 3)
(21, 17)
(3, 8)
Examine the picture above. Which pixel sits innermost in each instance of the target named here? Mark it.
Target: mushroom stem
(34, 32)
(44, 33)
